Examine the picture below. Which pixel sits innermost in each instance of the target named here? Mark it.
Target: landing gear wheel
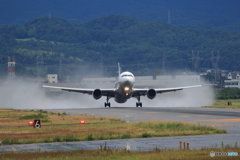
(138, 103)
(107, 103)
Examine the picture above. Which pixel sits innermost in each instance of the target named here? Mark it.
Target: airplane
(123, 90)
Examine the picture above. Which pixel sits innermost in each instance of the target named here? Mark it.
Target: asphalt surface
(228, 119)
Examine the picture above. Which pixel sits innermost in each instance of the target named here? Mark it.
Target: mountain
(103, 42)
(222, 14)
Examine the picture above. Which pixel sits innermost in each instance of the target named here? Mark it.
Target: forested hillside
(138, 45)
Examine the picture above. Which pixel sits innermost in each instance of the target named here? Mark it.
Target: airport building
(52, 78)
(233, 80)
(233, 83)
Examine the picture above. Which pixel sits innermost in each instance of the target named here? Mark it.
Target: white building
(52, 78)
(232, 83)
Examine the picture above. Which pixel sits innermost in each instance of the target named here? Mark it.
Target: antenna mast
(169, 17)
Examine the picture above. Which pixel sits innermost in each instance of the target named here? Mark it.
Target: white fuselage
(124, 87)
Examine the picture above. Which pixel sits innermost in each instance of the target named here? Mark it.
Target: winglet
(119, 69)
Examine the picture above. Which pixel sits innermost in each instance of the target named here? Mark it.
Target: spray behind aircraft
(123, 90)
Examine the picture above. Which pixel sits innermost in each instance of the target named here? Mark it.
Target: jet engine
(97, 93)
(151, 93)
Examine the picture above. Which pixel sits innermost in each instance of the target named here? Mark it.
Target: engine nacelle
(97, 93)
(151, 93)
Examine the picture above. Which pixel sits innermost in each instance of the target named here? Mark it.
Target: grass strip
(108, 131)
(34, 116)
(107, 153)
(235, 104)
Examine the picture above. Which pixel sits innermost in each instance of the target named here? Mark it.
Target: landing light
(126, 89)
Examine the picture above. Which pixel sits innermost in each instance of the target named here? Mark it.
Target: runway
(228, 119)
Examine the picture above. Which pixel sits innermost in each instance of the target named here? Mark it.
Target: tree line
(115, 38)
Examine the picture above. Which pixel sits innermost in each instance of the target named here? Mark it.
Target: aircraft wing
(143, 92)
(105, 92)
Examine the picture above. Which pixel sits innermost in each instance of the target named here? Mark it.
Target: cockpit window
(127, 75)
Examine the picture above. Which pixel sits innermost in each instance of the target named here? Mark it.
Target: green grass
(34, 116)
(10, 141)
(126, 135)
(224, 104)
(105, 153)
(177, 126)
(89, 137)
(57, 139)
(146, 135)
(46, 121)
(70, 138)
(151, 130)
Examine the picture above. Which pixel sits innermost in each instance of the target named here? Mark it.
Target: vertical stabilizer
(119, 69)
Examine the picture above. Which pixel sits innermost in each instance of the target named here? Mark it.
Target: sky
(184, 12)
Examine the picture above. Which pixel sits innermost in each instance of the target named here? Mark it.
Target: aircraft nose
(129, 81)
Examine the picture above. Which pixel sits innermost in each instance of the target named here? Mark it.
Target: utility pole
(60, 70)
(195, 61)
(215, 66)
(101, 66)
(163, 64)
(39, 63)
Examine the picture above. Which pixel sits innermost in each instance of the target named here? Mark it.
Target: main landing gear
(107, 103)
(138, 103)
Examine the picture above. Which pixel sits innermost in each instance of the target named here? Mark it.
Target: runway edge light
(30, 123)
(82, 122)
